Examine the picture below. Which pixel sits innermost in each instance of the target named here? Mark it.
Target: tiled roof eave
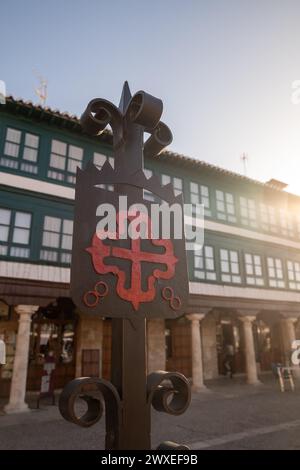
(72, 122)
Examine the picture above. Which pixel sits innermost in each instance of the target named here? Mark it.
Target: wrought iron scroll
(85, 388)
(168, 392)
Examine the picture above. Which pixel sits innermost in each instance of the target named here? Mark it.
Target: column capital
(247, 318)
(195, 317)
(291, 320)
(26, 309)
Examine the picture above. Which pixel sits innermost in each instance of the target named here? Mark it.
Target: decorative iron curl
(160, 138)
(143, 109)
(78, 388)
(100, 113)
(173, 397)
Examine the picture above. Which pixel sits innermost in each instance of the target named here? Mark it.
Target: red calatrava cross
(134, 294)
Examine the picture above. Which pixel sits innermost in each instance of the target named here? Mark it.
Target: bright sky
(223, 68)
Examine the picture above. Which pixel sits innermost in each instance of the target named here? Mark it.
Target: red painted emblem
(134, 294)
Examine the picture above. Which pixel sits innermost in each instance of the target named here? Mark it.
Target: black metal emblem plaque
(120, 277)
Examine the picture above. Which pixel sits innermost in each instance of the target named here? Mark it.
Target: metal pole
(129, 377)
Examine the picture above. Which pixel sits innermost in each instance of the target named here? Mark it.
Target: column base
(254, 382)
(199, 389)
(22, 408)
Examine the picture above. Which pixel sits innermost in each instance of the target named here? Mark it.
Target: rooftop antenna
(244, 159)
(41, 90)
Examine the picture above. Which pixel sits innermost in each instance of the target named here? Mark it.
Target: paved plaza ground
(230, 415)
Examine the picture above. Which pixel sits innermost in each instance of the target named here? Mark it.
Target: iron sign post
(127, 280)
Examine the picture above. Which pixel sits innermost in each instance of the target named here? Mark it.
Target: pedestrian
(229, 359)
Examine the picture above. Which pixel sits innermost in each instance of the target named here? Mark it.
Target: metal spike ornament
(128, 280)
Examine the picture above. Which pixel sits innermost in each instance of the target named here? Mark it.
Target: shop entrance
(268, 339)
(53, 333)
(229, 338)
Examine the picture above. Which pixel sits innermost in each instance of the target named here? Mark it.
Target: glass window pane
(11, 150)
(99, 159)
(198, 262)
(177, 183)
(73, 165)
(279, 273)
(75, 152)
(229, 198)
(225, 266)
(209, 251)
(220, 195)
(235, 268)
(21, 235)
(23, 219)
(205, 202)
(224, 254)
(204, 191)
(230, 209)
(210, 264)
(211, 276)
(248, 258)
(59, 147)
(4, 233)
(30, 154)
(52, 223)
(48, 255)
(13, 135)
(5, 216)
(194, 188)
(220, 206)
(199, 274)
(165, 179)
(257, 260)
(271, 272)
(31, 140)
(51, 239)
(278, 263)
(57, 162)
(249, 269)
(66, 243)
(68, 226)
(195, 199)
(258, 271)
(233, 256)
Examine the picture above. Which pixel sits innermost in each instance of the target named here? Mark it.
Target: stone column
(209, 347)
(89, 336)
(156, 345)
(16, 402)
(197, 365)
(288, 336)
(251, 367)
